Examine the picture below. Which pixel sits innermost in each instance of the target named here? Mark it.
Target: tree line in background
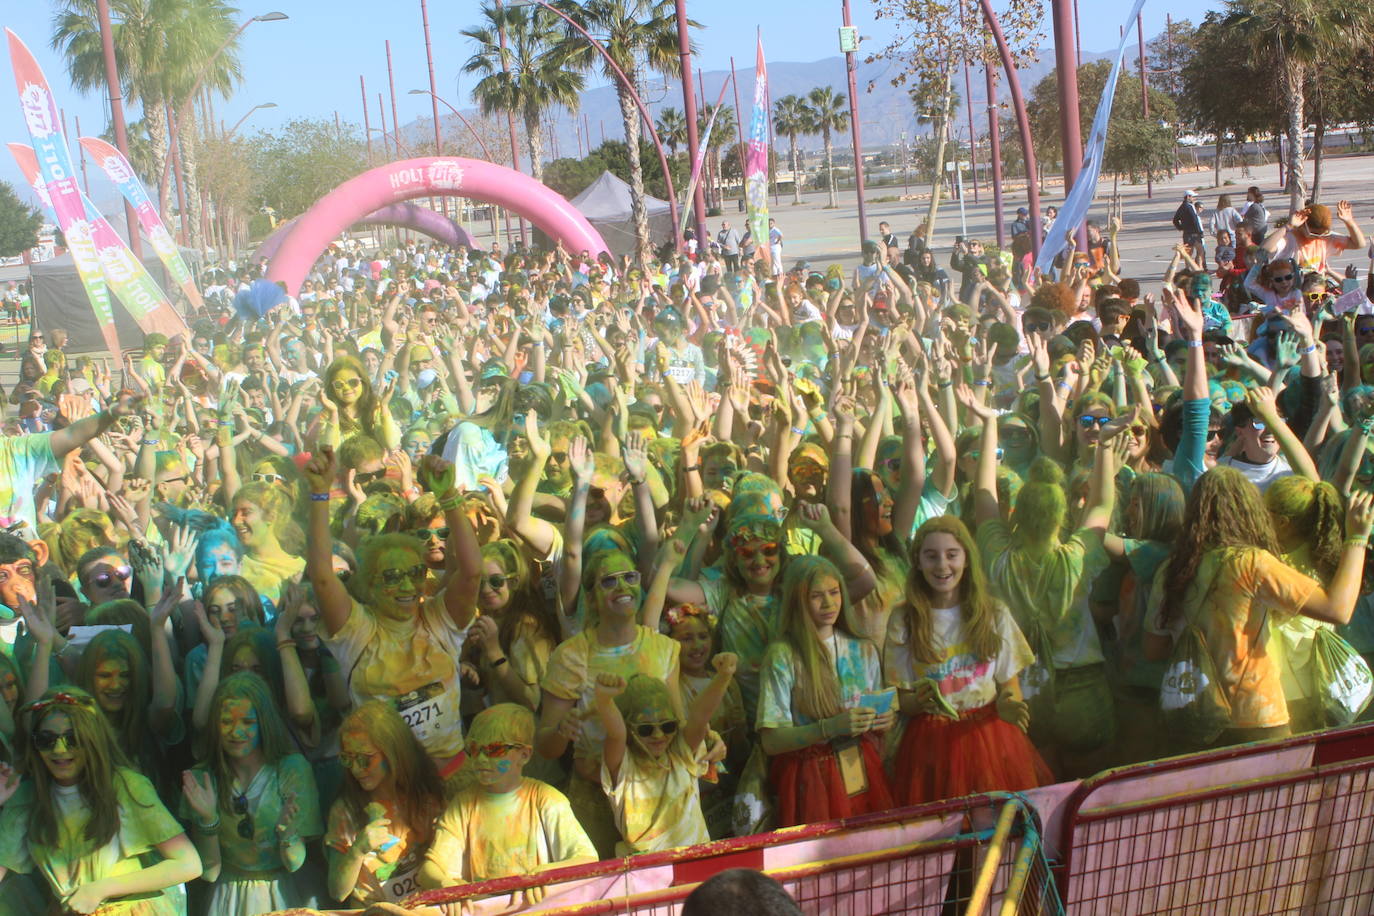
(1255, 71)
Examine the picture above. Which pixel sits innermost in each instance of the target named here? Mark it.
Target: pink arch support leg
(440, 177)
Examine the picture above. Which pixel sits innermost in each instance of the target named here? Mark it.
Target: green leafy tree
(302, 161)
(638, 35)
(1298, 38)
(19, 223)
(789, 119)
(1136, 146)
(536, 78)
(1168, 53)
(826, 114)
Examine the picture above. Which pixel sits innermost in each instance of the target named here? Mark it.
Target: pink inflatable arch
(439, 177)
(407, 216)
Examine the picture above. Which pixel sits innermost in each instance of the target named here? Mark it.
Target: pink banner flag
(58, 180)
(118, 170)
(756, 159)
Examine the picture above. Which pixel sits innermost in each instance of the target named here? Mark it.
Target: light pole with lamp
(639, 103)
(849, 44)
(239, 123)
(205, 70)
(475, 135)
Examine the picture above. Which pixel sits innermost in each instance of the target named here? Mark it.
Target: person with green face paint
(652, 760)
(253, 804)
(504, 823)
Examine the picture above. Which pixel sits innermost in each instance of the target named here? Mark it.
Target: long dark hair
(419, 792)
(129, 724)
(861, 490)
(369, 408)
(104, 763)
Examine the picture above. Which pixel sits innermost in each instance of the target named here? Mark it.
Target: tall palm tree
(1296, 37)
(790, 118)
(161, 47)
(537, 77)
(825, 113)
(672, 129)
(638, 35)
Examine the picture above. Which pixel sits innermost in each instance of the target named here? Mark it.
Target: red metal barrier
(1276, 828)
(854, 866)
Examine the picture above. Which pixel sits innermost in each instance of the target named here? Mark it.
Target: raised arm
(334, 601)
(708, 701)
(537, 532)
(858, 575)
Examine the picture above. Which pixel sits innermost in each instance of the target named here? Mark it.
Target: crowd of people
(464, 564)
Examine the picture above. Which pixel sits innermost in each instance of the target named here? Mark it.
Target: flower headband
(60, 698)
(684, 612)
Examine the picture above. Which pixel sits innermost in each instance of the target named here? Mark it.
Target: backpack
(1256, 219)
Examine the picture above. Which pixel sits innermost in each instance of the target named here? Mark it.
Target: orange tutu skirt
(810, 789)
(941, 758)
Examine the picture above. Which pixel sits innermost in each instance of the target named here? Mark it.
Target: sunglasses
(1138, 430)
(891, 464)
(45, 740)
(245, 825)
(346, 384)
(121, 573)
(267, 478)
(397, 576)
(1087, 421)
(596, 493)
(1258, 425)
(649, 729)
(496, 582)
(1016, 433)
(492, 751)
(363, 480)
(975, 455)
(1316, 296)
(1034, 326)
(1284, 278)
(609, 582)
(425, 534)
(746, 552)
(1213, 433)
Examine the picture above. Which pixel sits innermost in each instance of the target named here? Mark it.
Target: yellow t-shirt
(483, 836)
(574, 665)
(657, 807)
(412, 663)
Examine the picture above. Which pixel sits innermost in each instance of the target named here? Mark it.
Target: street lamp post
(851, 67)
(239, 123)
(205, 70)
(1066, 71)
(475, 135)
(117, 113)
(689, 108)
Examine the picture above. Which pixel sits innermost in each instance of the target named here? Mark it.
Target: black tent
(60, 301)
(606, 205)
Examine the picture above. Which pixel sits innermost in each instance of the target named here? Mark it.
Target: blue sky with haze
(309, 64)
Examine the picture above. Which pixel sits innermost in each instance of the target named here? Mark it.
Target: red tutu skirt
(810, 789)
(940, 758)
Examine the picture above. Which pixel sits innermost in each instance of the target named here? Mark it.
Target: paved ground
(831, 236)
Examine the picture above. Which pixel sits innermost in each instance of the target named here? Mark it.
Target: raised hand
(609, 686)
(814, 516)
(321, 470)
(437, 475)
(581, 460)
(726, 663)
(199, 791)
(636, 457)
(167, 603)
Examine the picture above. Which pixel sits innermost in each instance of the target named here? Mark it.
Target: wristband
(982, 382)
(285, 644)
(947, 383)
(692, 467)
(450, 503)
(206, 829)
(799, 432)
(1308, 349)
(1359, 540)
(320, 497)
(1193, 344)
(499, 662)
(638, 483)
(1042, 378)
(152, 441)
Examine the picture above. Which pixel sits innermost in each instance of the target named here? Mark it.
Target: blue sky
(309, 64)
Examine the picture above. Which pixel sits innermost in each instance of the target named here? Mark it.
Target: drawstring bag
(754, 808)
(1344, 681)
(1195, 707)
